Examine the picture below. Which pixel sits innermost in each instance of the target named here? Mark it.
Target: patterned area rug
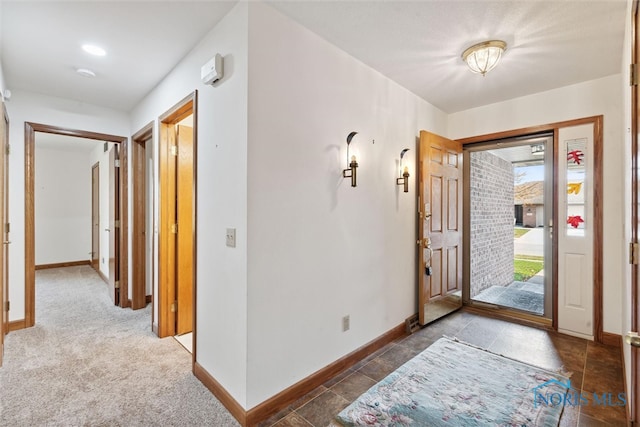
(455, 384)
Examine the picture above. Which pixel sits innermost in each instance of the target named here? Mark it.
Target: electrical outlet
(231, 237)
(346, 323)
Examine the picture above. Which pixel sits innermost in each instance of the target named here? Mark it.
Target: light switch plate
(231, 237)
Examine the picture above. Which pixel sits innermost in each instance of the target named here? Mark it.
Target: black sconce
(405, 173)
(350, 172)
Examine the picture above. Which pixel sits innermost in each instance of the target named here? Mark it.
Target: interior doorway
(573, 232)
(142, 239)
(510, 192)
(119, 228)
(177, 219)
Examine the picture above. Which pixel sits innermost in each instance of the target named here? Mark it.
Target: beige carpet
(88, 363)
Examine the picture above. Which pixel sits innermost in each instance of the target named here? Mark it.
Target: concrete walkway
(531, 243)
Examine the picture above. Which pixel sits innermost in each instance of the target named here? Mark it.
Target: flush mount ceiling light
(483, 57)
(85, 72)
(94, 50)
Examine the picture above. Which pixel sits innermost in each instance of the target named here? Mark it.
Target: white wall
(601, 96)
(31, 107)
(62, 205)
(222, 194)
(318, 248)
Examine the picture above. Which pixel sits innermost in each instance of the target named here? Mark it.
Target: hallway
(87, 362)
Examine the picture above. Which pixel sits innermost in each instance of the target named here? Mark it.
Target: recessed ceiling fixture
(94, 50)
(85, 72)
(483, 57)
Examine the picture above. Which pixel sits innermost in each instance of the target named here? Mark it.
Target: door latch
(633, 339)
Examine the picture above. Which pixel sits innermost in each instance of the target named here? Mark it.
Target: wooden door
(139, 246)
(185, 239)
(114, 226)
(95, 217)
(440, 227)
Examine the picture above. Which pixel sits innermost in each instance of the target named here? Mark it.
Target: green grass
(517, 232)
(524, 269)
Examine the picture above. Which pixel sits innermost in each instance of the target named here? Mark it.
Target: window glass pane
(576, 186)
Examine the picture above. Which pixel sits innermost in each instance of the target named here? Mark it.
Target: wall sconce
(350, 172)
(405, 173)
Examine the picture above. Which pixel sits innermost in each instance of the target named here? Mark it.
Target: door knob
(424, 243)
(7, 242)
(633, 339)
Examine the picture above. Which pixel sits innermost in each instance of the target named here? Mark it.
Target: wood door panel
(440, 227)
(452, 269)
(452, 190)
(185, 214)
(436, 204)
(436, 275)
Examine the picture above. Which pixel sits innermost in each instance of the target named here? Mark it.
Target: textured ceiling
(41, 45)
(418, 44)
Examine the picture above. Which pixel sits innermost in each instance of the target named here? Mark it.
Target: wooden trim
(304, 386)
(166, 240)
(62, 264)
(220, 393)
(145, 133)
(16, 325)
(598, 214)
(289, 395)
(29, 226)
(29, 212)
(531, 130)
(613, 340)
(139, 215)
(554, 241)
(598, 272)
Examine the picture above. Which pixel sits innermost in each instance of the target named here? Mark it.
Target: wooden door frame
(597, 121)
(30, 130)
(166, 294)
(139, 216)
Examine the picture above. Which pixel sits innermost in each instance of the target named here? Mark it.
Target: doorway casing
(597, 121)
(30, 130)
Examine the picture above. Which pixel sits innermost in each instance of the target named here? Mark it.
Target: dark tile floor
(593, 368)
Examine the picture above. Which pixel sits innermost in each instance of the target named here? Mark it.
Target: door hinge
(117, 284)
(7, 149)
(174, 228)
(174, 307)
(174, 150)
(633, 75)
(7, 227)
(7, 306)
(633, 253)
(117, 163)
(116, 223)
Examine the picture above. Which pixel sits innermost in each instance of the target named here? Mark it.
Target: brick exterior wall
(492, 220)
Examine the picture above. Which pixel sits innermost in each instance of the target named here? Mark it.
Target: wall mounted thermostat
(213, 70)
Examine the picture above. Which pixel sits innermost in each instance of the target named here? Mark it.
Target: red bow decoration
(575, 155)
(575, 220)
